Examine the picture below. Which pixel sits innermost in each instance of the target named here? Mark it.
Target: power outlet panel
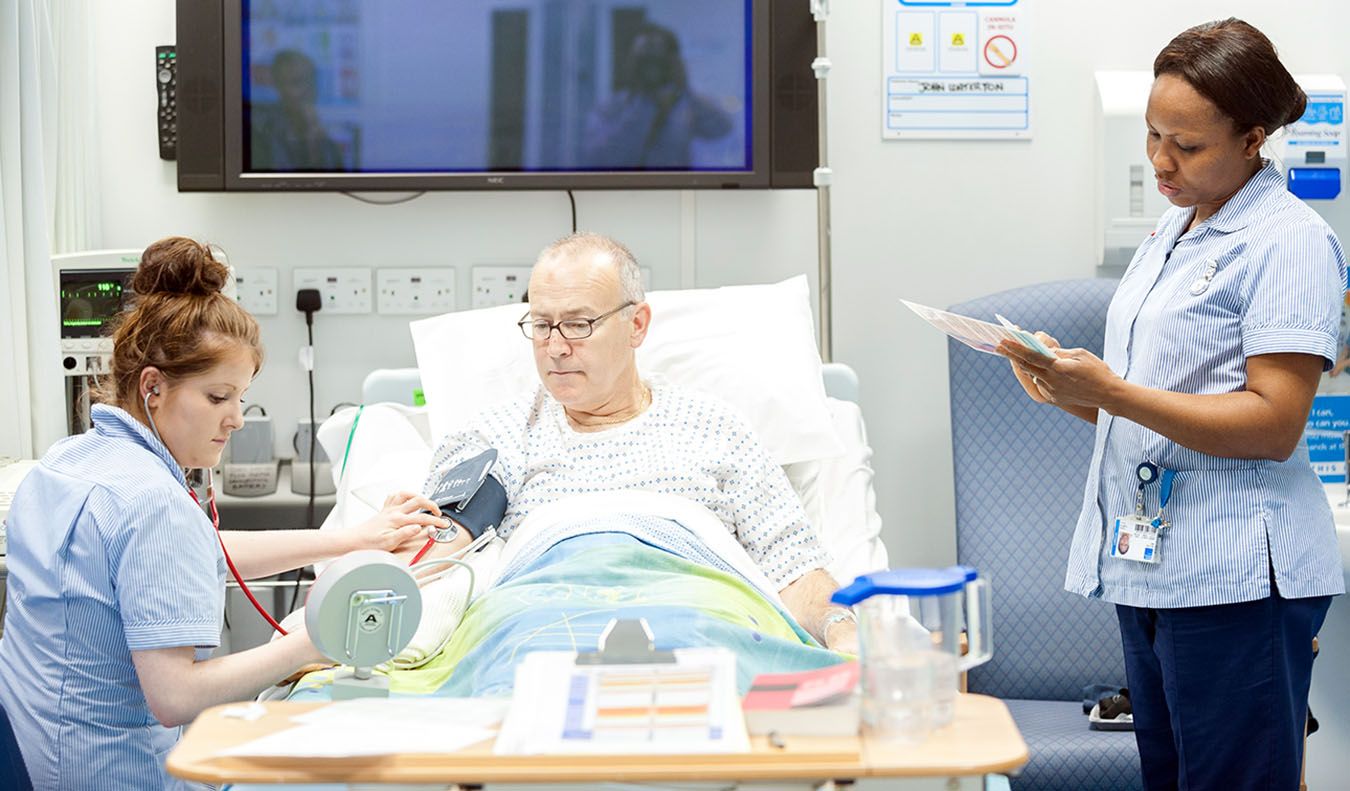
(413, 292)
(256, 290)
(499, 285)
(344, 291)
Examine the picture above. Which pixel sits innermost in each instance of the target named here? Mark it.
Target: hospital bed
(380, 448)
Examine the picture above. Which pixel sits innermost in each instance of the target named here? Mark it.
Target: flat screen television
(494, 94)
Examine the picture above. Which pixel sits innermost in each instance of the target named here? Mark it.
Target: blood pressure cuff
(470, 495)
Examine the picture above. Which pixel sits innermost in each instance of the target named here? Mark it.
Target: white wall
(687, 239)
(937, 222)
(934, 222)
(941, 222)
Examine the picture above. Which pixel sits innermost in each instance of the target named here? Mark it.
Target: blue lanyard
(1165, 492)
(1148, 472)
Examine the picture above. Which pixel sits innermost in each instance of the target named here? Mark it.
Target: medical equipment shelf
(981, 740)
(280, 510)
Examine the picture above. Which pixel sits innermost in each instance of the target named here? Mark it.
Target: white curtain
(76, 214)
(48, 191)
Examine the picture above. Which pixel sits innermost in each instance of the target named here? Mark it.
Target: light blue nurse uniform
(1263, 275)
(108, 554)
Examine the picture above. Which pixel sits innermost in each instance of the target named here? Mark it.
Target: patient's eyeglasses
(571, 329)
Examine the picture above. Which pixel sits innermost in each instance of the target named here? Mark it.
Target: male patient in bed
(596, 426)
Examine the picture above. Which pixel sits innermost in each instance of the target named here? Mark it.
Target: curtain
(48, 191)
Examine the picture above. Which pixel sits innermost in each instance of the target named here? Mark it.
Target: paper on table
(981, 336)
(381, 727)
(689, 706)
(430, 712)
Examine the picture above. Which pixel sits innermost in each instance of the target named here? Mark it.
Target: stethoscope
(215, 517)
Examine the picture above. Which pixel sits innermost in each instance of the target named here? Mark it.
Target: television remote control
(166, 84)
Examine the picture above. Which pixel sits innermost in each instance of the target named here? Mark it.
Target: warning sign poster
(954, 70)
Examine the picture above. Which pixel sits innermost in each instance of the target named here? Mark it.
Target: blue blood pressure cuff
(470, 495)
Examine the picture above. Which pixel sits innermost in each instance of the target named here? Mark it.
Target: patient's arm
(808, 599)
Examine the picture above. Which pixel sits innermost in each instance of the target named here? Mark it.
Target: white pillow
(752, 346)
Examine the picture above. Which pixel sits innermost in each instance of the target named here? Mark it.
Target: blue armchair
(1020, 468)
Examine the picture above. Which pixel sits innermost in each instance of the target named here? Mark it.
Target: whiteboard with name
(955, 70)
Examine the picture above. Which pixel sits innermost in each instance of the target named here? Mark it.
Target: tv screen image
(480, 86)
(495, 94)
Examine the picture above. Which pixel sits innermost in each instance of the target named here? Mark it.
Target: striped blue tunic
(1263, 275)
(107, 555)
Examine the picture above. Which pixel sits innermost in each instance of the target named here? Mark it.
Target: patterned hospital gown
(686, 443)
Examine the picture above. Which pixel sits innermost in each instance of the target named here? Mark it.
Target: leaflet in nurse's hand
(1028, 340)
(979, 335)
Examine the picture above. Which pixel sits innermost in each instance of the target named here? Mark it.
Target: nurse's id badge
(1135, 538)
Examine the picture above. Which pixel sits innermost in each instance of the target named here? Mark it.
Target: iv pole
(822, 177)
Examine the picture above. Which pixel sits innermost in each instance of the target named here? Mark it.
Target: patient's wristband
(835, 616)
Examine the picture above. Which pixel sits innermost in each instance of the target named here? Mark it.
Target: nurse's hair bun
(178, 265)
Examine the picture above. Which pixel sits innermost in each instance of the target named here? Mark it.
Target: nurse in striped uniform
(116, 577)
(1215, 341)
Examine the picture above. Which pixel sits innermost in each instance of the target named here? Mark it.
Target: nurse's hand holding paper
(1075, 379)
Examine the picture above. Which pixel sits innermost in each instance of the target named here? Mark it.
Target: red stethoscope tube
(431, 542)
(215, 523)
(427, 546)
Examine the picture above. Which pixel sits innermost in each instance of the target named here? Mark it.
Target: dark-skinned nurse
(1215, 341)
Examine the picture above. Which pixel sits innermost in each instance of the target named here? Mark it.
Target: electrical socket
(407, 291)
(344, 290)
(499, 285)
(256, 290)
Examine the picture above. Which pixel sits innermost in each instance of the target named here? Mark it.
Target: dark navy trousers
(1220, 693)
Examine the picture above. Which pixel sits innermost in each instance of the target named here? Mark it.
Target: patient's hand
(399, 526)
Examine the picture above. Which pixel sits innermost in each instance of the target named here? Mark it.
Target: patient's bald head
(597, 250)
(589, 276)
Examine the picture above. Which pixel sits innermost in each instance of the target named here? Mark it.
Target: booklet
(821, 702)
(981, 336)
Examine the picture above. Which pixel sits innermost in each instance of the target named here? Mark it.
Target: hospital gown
(686, 444)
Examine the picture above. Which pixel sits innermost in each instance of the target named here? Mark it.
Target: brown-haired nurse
(116, 577)
(1215, 341)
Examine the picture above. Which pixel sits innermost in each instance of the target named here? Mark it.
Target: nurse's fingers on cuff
(417, 502)
(399, 498)
(423, 518)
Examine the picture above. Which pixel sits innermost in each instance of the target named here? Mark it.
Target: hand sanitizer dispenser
(1313, 148)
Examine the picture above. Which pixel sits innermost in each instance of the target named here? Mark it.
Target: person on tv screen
(289, 135)
(651, 120)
